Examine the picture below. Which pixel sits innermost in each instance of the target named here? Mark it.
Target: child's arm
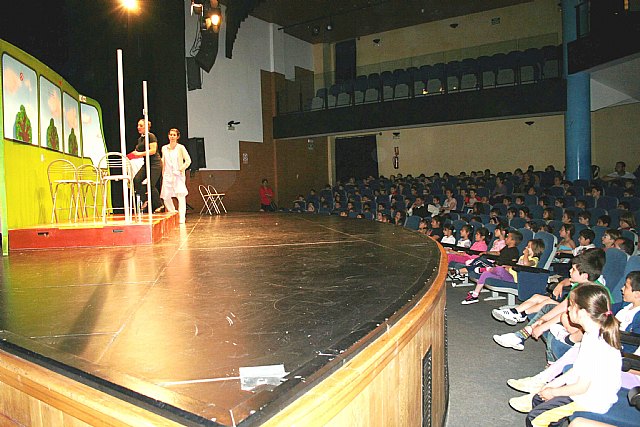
(579, 387)
(557, 291)
(552, 317)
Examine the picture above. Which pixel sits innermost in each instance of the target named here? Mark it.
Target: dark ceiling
(308, 19)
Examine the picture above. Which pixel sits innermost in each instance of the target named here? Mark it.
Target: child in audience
(566, 245)
(434, 207)
(581, 204)
(480, 245)
(585, 241)
(399, 218)
(628, 222)
(625, 245)
(473, 198)
(450, 204)
(567, 217)
(584, 218)
(533, 226)
(465, 233)
(586, 268)
(511, 213)
(311, 208)
(530, 258)
(609, 238)
(519, 203)
(583, 387)
(448, 237)
(525, 214)
(547, 214)
(423, 227)
(436, 228)
(603, 221)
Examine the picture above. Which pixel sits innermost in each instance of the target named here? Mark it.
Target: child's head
(609, 237)
(596, 191)
(494, 220)
(581, 204)
(586, 236)
(533, 226)
(448, 230)
(519, 200)
(625, 245)
(536, 247)
(547, 214)
(495, 212)
(513, 238)
(511, 213)
(604, 221)
(435, 200)
(501, 231)
(631, 289)
(559, 202)
(423, 226)
(482, 234)
(587, 266)
(627, 220)
(567, 230)
(524, 212)
(584, 218)
(590, 303)
(567, 217)
(311, 207)
(436, 221)
(624, 206)
(465, 231)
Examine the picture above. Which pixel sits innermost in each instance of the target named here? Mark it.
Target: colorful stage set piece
(51, 192)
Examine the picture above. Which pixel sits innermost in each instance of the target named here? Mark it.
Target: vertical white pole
(123, 142)
(146, 147)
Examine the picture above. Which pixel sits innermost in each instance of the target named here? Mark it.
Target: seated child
(465, 233)
(436, 228)
(587, 267)
(584, 218)
(609, 238)
(530, 258)
(479, 245)
(567, 217)
(584, 388)
(498, 244)
(603, 221)
(448, 237)
(585, 241)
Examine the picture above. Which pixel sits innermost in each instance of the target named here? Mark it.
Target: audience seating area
(484, 72)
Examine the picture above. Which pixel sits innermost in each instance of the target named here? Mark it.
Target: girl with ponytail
(593, 382)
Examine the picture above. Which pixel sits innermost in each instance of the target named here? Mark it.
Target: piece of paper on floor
(254, 376)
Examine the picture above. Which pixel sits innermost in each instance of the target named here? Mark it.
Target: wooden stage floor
(175, 321)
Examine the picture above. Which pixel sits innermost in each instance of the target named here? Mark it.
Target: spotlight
(215, 15)
(130, 5)
(315, 30)
(330, 26)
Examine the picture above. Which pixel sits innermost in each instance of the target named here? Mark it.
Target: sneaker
(522, 404)
(470, 299)
(527, 384)
(506, 315)
(509, 340)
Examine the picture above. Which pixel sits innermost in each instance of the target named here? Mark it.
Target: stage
(168, 326)
(94, 232)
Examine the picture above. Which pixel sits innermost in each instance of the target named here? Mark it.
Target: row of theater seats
(516, 67)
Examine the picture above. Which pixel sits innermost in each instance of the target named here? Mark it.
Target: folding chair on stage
(217, 199)
(114, 167)
(207, 199)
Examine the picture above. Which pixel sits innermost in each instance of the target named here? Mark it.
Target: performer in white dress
(176, 160)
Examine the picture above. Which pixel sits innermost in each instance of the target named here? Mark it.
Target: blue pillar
(577, 120)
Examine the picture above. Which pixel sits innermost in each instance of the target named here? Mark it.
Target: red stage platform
(114, 232)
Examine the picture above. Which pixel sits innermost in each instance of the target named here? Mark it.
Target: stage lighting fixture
(196, 9)
(131, 5)
(215, 15)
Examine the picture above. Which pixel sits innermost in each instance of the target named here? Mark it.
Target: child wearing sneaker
(499, 243)
(584, 388)
(586, 267)
(530, 258)
(627, 313)
(480, 245)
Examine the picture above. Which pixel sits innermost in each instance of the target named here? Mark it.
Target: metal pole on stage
(123, 142)
(146, 147)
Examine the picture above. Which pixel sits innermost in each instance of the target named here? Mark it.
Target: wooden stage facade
(353, 310)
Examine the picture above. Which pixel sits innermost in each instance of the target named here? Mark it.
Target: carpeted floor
(479, 368)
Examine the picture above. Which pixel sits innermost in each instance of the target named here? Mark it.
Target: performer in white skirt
(176, 160)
